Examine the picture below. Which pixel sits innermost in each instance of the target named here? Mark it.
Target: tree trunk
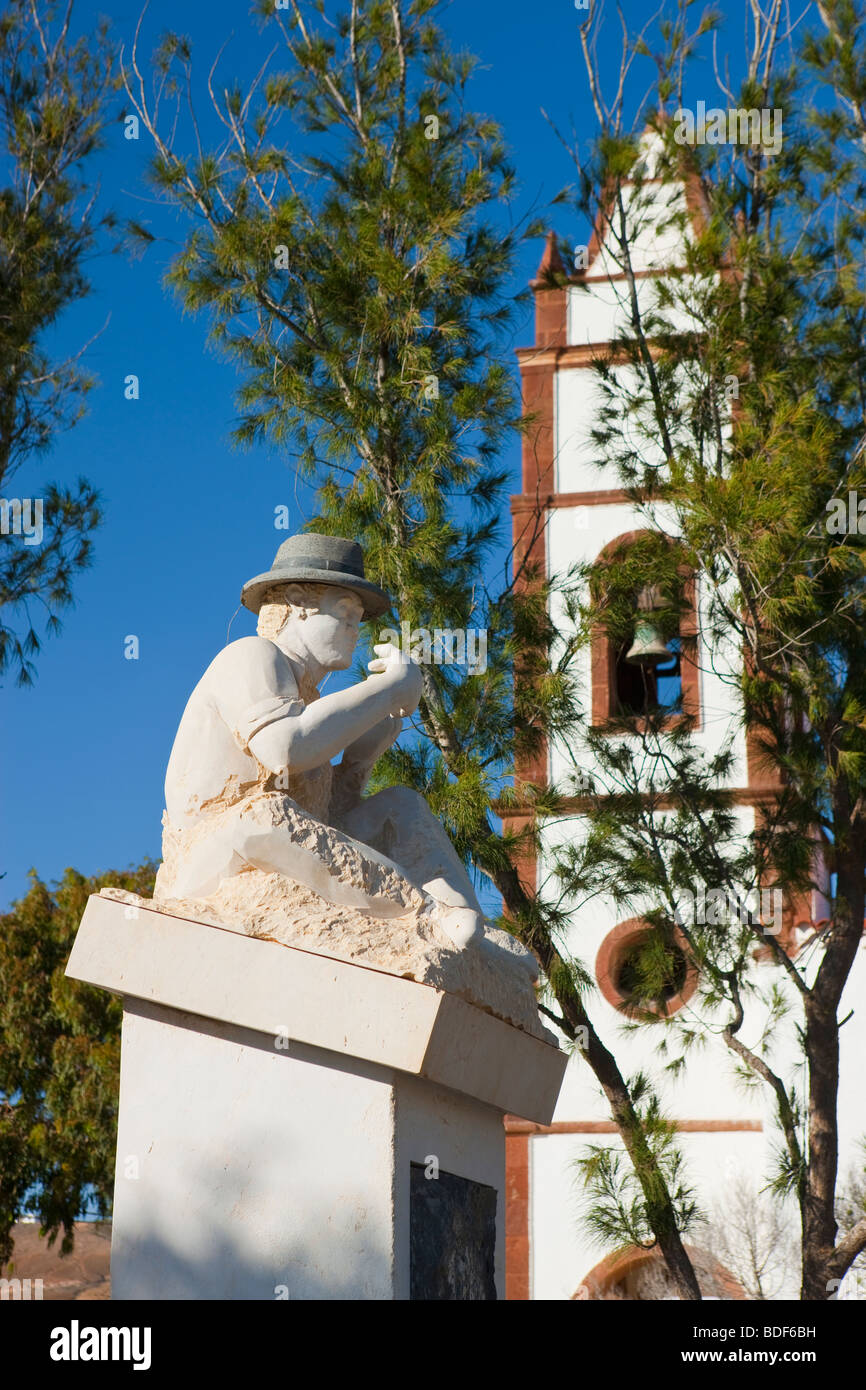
(659, 1207)
(660, 1210)
(818, 1212)
(822, 1052)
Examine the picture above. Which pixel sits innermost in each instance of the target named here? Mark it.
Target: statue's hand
(402, 676)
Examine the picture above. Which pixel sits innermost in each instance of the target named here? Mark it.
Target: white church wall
(563, 1252)
(656, 242)
(578, 398)
(708, 1087)
(603, 311)
(708, 1091)
(852, 1060)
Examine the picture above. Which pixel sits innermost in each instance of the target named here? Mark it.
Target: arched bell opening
(652, 670)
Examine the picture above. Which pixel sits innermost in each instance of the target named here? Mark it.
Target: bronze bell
(648, 647)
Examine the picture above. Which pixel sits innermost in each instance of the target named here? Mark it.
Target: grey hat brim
(375, 600)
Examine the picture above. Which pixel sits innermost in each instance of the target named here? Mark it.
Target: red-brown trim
(761, 772)
(515, 1126)
(578, 805)
(739, 796)
(516, 1216)
(545, 357)
(522, 502)
(796, 905)
(760, 769)
(609, 958)
(605, 278)
(538, 476)
(551, 319)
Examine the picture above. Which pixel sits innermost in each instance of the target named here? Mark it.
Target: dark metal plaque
(452, 1237)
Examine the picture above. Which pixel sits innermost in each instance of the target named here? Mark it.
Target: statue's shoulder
(250, 660)
(249, 651)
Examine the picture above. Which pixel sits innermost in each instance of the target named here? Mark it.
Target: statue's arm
(333, 723)
(350, 776)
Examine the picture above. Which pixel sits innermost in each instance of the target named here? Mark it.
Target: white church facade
(569, 509)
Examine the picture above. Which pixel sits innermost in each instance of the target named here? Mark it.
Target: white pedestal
(284, 1117)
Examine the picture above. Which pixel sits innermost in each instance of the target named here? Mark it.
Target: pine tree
(53, 95)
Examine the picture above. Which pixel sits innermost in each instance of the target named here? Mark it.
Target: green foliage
(624, 1197)
(59, 1060)
(53, 95)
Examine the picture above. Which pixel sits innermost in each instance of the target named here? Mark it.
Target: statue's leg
(398, 822)
(388, 845)
(275, 851)
(252, 839)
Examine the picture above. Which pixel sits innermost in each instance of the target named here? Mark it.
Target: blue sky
(187, 517)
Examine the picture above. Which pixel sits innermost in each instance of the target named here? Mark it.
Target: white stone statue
(259, 822)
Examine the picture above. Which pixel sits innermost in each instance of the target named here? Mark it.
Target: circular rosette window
(645, 971)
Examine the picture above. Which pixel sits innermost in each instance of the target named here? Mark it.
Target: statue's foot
(463, 925)
(466, 927)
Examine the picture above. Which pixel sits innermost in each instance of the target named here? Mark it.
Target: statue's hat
(313, 559)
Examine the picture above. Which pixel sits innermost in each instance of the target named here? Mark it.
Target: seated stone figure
(255, 808)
